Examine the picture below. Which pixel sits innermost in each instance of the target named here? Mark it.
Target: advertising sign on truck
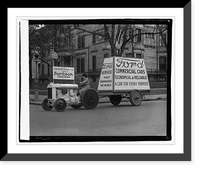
(106, 78)
(119, 73)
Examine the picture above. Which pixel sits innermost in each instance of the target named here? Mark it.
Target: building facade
(89, 51)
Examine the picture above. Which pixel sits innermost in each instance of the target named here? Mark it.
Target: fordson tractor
(61, 95)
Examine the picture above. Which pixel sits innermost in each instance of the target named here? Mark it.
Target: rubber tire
(115, 99)
(76, 106)
(136, 97)
(60, 105)
(90, 99)
(45, 106)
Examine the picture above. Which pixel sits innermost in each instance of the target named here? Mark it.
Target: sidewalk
(103, 100)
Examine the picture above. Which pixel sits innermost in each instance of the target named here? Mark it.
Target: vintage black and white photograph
(99, 80)
(98, 84)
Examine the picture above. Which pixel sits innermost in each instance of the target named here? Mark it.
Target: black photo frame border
(186, 156)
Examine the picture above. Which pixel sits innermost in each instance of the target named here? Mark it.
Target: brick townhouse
(89, 51)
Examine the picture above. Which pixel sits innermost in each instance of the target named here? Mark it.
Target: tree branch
(106, 32)
(117, 35)
(91, 32)
(122, 32)
(144, 33)
(46, 62)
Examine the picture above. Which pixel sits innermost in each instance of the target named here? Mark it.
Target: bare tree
(118, 35)
(162, 29)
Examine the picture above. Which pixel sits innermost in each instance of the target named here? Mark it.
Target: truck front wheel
(115, 100)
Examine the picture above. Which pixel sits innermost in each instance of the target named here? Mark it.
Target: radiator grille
(49, 93)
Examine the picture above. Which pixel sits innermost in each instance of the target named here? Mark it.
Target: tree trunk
(112, 50)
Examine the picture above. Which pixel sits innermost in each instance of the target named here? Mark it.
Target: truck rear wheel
(45, 105)
(135, 98)
(115, 99)
(90, 98)
(60, 105)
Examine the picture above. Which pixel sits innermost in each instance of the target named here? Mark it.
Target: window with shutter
(162, 62)
(78, 65)
(82, 65)
(94, 62)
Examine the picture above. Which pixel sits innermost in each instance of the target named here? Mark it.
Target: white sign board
(105, 81)
(125, 73)
(130, 73)
(64, 73)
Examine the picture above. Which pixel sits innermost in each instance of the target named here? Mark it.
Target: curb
(102, 102)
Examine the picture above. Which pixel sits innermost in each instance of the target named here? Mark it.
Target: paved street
(148, 119)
